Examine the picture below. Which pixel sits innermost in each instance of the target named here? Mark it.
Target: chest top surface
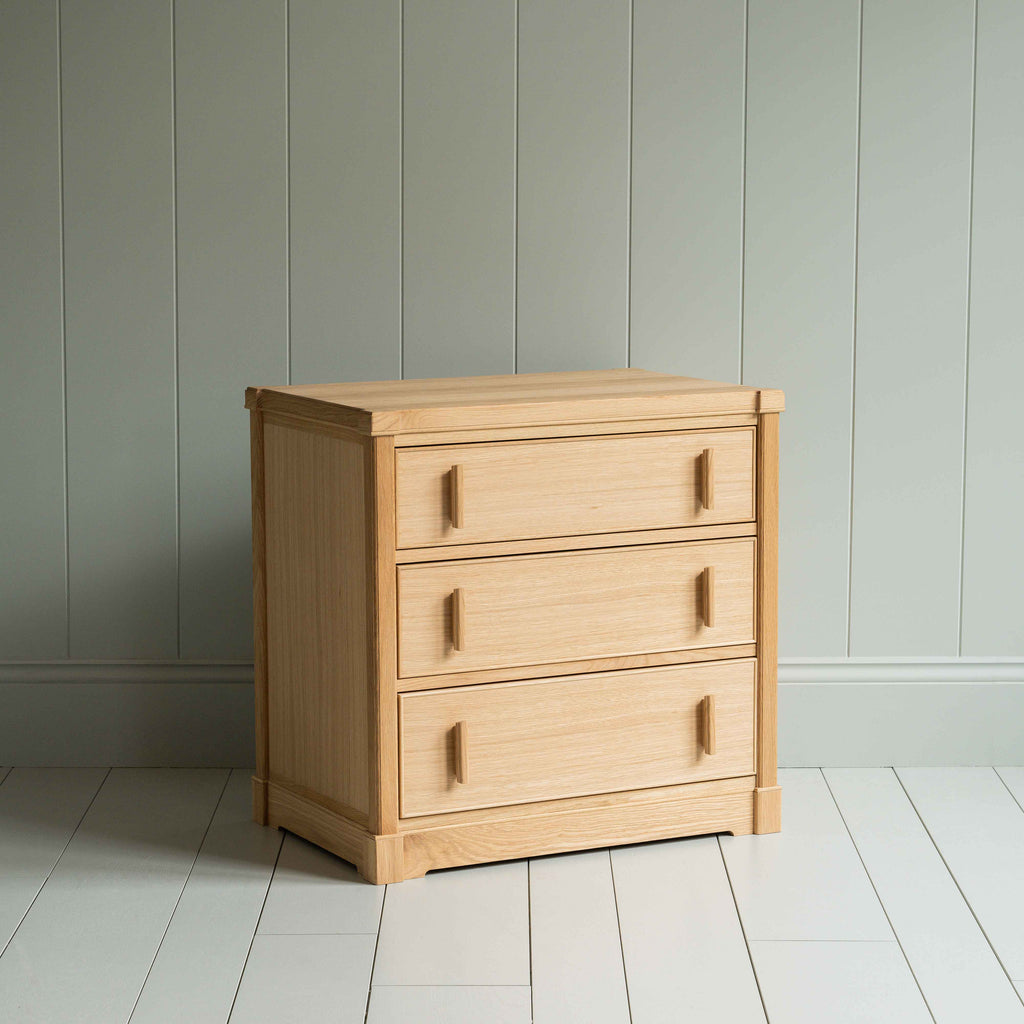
(527, 399)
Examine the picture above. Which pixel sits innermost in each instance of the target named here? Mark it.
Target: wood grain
(767, 601)
(533, 609)
(724, 810)
(519, 400)
(642, 424)
(574, 736)
(318, 618)
(381, 637)
(627, 538)
(495, 675)
(550, 488)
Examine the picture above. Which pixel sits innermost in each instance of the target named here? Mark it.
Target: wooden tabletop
(450, 403)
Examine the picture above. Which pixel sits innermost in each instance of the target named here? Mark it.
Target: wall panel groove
(911, 325)
(822, 195)
(119, 295)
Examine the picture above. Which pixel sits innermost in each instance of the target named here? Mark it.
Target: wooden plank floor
(140, 895)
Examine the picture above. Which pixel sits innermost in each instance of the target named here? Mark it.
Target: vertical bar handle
(707, 718)
(462, 752)
(457, 497)
(707, 478)
(708, 595)
(458, 619)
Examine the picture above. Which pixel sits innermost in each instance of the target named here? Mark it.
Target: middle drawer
(538, 609)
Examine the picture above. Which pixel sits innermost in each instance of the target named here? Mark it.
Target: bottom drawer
(574, 735)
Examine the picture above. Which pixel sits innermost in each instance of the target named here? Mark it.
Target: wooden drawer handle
(458, 619)
(707, 717)
(457, 502)
(707, 478)
(462, 752)
(708, 595)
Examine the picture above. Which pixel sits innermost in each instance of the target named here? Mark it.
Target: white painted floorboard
(465, 926)
(305, 979)
(449, 1004)
(168, 900)
(40, 808)
(681, 938)
(84, 949)
(197, 969)
(576, 952)
(805, 882)
(954, 965)
(838, 983)
(315, 893)
(978, 828)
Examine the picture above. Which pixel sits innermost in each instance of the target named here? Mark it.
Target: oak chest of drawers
(499, 617)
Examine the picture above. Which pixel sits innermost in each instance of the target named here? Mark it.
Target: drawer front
(574, 736)
(536, 609)
(464, 494)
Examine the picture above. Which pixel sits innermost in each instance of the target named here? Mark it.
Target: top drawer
(516, 490)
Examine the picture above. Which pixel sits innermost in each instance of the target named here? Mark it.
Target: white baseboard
(831, 712)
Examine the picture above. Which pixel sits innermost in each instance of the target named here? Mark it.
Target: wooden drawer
(574, 736)
(471, 493)
(535, 609)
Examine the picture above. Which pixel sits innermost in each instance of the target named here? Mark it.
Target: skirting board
(863, 712)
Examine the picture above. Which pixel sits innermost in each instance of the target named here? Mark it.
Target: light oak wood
(382, 637)
(512, 812)
(767, 609)
(589, 427)
(631, 730)
(501, 675)
(526, 399)
(318, 616)
(691, 813)
(574, 645)
(553, 487)
(533, 609)
(707, 480)
(708, 595)
(628, 538)
(458, 619)
(259, 617)
(709, 729)
(462, 753)
(457, 512)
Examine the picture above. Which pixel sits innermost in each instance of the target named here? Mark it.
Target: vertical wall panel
(232, 304)
(119, 293)
(459, 126)
(993, 563)
(345, 183)
(33, 620)
(573, 195)
(687, 187)
(802, 82)
(915, 162)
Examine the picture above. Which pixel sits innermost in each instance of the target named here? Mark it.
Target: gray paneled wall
(821, 195)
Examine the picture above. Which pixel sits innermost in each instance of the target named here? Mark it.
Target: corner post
(768, 795)
(383, 638)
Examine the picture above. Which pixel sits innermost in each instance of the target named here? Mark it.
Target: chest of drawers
(500, 617)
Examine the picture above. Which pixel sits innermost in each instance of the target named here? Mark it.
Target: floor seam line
(373, 962)
(255, 931)
(743, 929)
(177, 902)
(956, 881)
(53, 867)
(874, 889)
(618, 927)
